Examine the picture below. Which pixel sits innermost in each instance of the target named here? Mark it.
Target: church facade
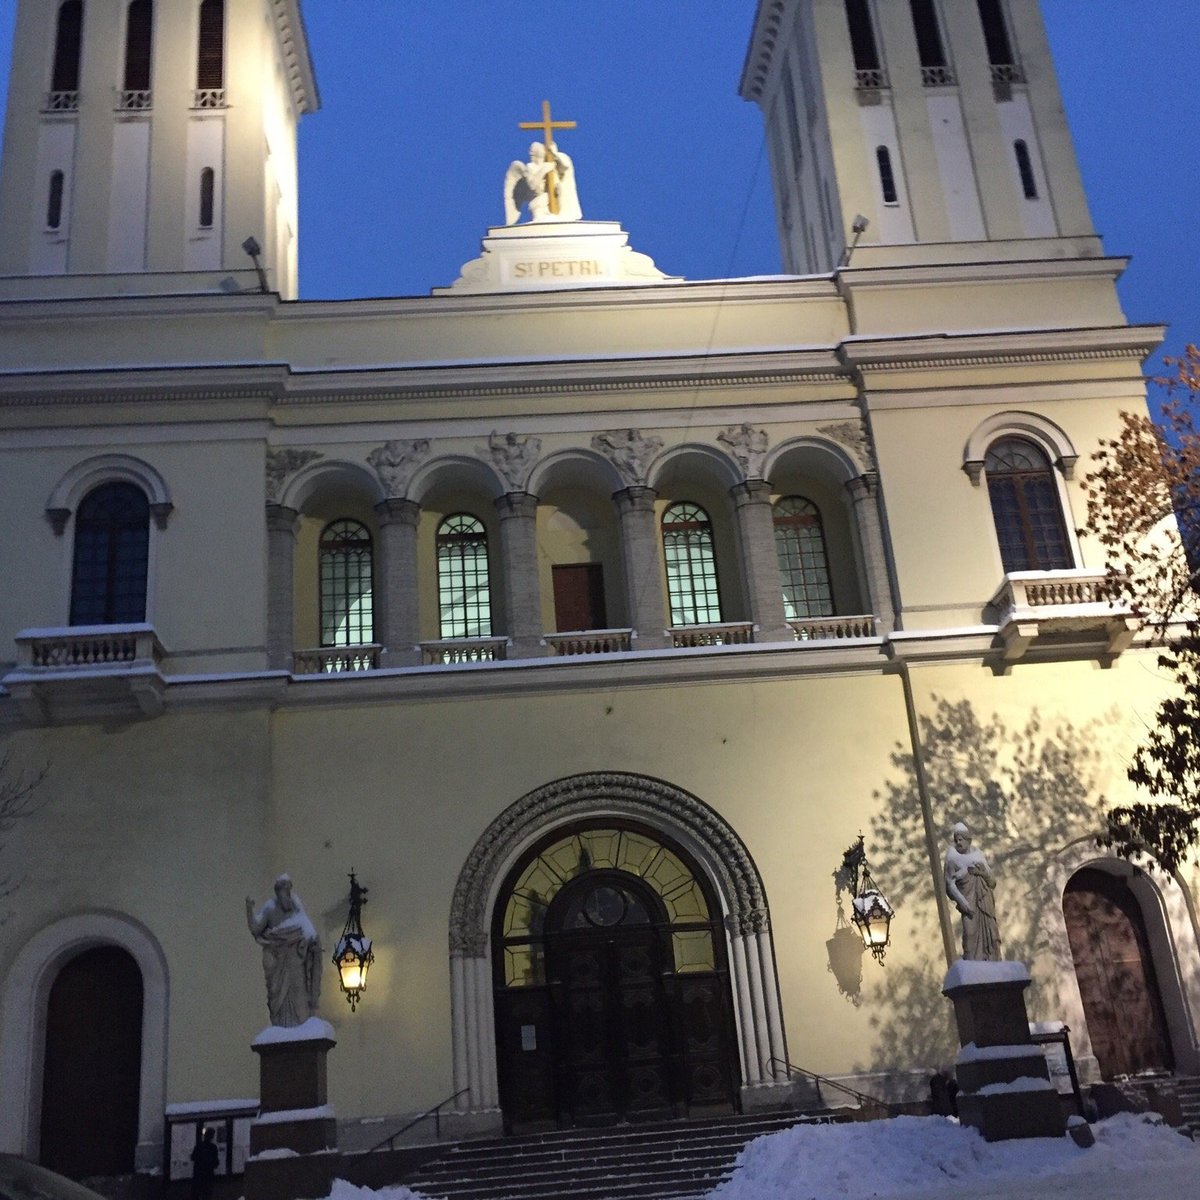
(590, 667)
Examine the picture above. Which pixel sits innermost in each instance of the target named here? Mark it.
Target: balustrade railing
(736, 633)
(61, 102)
(1007, 73)
(84, 647)
(937, 77)
(452, 651)
(1056, 589)
(870, 79)
(590, 641)
(208, 98)
(332, 660)
(833, 629)
(134, 100)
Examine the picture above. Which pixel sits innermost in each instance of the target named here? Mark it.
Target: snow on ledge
(969, 972)
(312, 1030)
(1026, 1083)
(972, 1053)
(322, 1112)
(281, 1152)
(199, 1108)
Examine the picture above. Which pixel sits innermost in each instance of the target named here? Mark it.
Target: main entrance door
(612, 997)
(1120, 994)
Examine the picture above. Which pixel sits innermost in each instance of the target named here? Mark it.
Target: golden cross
(548, 126)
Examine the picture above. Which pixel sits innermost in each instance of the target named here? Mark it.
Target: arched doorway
(1117, 982)
(92, 1066)
(611, 983)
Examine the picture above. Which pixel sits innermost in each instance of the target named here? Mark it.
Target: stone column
(864, 496)
(522, 590)
(396, 600)
(645, 599)
(760, 562)
(281, 550)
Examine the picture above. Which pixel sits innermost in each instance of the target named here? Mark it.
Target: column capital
(863, 487)
(751, 491)
(396, 511)
(635, 499)
(516, 504)
(281, 519)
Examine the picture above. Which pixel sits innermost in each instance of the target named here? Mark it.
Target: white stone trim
(823, 458)
(306, 482)
(26, 993)
(700, 830)
(452, 468)
(1044, 433)
(700, 461)
(1174, 947)
(109, 468)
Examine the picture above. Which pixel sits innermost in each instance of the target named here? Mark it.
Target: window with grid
(112, 543)
(64, 75)
(139, 32)
(464, 589)
(1026, 508)
(210, 62)
(691, 565)
(803, 563)
(346, 584)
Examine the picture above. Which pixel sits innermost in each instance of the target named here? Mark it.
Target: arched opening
(346, 584)
(1115, 969)
(464, 581)
(68, 42)
(210, 59)
(1026, 507)
(93, 1065)
(611, 981)
(139, 36)
(54, 201)
(207, 197)
(691, 562)
(111, 559)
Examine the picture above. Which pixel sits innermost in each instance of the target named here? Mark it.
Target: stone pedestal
(293, 1142)
(1004, 1085)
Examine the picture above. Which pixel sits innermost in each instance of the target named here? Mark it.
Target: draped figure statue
(970, 884)
(291, 955)
(530, 184)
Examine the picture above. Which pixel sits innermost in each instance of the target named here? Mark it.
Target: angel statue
(548, 175)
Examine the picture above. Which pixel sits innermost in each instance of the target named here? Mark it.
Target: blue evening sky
(401, 169)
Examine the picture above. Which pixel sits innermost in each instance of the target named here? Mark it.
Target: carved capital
(161, 514)
(516, 504)
(398, 512)
(58, 518)
(974, 470)
(864, 487)
(281, 519)
(750, 491)
(635, 499)
(1066, 464)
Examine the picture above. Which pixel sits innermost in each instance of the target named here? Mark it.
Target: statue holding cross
(546, 184)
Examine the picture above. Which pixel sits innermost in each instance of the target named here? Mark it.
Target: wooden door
(1120, 994)
(93, 1065)
(579, 597)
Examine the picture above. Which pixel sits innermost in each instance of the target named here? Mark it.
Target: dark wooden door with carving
(1120, 994)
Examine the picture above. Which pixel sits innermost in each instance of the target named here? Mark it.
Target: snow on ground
(935, 1158)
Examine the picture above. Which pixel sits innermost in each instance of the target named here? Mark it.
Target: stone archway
(703, 834)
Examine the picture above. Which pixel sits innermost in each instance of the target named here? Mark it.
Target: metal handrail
(862, 1097)
(435, 1112)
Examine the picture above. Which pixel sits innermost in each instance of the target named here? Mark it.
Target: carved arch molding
(600, 795)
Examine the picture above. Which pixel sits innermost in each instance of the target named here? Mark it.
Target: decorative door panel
(579, 597)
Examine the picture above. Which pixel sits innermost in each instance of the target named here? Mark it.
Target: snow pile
(931, 1157)
(347, 1191)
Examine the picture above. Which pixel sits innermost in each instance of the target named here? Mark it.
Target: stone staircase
(677, 1160)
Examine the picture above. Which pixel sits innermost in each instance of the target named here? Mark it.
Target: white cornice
(985, 271)
(770, 24)
(293, 42)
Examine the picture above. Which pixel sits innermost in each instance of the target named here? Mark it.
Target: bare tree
(1144, 504)
(18, 801)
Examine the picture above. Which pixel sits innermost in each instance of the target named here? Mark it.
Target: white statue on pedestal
(971, 885)
(291, 955)
(546, 183)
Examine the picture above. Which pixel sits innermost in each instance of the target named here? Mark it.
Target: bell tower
(146, 140)
(939, 121)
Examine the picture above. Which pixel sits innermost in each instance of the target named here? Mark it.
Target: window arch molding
(686, 820)
(1043, 433)
(84, 477)
(301, 488)
(826, 459)
(22, 1025)
(694, 461)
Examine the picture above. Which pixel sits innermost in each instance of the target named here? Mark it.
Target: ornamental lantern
(352, 955)
(870, 909)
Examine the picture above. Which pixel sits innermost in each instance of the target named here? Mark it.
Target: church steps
(664, 1162)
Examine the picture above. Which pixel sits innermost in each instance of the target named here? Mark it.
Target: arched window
(464, 588)
(346, 584)
(995, 33)
(139, 28)
(1026, 508)
(803, 562)
(862, 35)
(207, 188)
(691, 565)
(210, 64)
(929, 35)
(69, 39)
(887, 177)
(1025, 167)
(54, 201)
(112, 543)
